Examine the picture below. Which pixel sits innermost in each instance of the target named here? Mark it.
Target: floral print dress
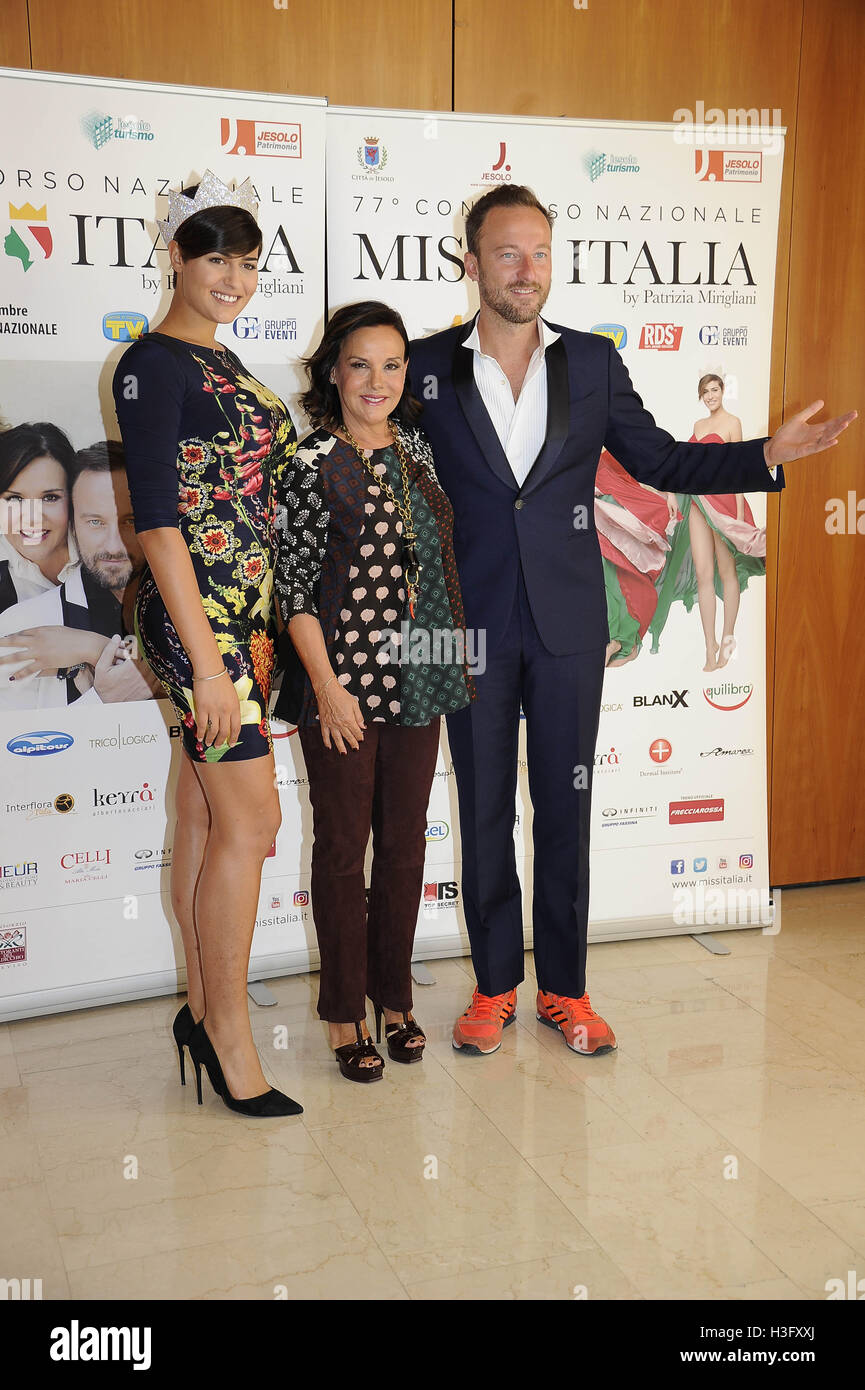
(206, 446)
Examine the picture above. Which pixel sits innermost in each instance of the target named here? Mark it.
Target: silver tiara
(211, 193)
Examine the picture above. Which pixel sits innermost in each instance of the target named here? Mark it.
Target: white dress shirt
(520, 424)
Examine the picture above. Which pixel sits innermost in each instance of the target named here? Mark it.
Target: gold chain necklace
(410, 563)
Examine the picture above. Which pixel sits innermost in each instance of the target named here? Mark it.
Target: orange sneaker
(479, 1029)
(584, 1030)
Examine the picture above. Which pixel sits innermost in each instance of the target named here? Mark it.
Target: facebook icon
(677, 866)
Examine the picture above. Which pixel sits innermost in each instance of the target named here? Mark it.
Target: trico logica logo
(273, 139)
(124, 325)
(711, 809)
(728, 166)
(372, 154)
(29, 236)
(616, 332)
(663, 337)
(100, 128)
(39, 743)
(728, 696)
(437, 830)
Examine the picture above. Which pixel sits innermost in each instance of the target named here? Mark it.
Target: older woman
(369, 594)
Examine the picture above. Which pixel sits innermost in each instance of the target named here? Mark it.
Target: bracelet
(223, 672)
(319, 693)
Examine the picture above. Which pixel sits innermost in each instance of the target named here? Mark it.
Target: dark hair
(704, 382)
(507, 195)
(105, 456)
(228, 230)
(24, 443)
(321, 402)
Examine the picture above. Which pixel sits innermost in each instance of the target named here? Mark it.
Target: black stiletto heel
(182, 1030)
(270, 1103)
(397, 1036)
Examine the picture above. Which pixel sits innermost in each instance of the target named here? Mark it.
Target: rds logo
(617, 332)
(124, 325)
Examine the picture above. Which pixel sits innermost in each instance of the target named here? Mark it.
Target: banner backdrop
(659, 245)
(87, 769)
(664, 241)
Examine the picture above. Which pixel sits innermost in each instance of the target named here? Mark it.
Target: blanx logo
(716, 907)
(124, 325)
(437, 830)
(77, 1343)
(616, 332)
(854, 1288)
(728, 696)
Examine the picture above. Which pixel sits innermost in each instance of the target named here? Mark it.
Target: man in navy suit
(518, 411)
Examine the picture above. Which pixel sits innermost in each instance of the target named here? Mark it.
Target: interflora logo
(273, 139)
(29, 234)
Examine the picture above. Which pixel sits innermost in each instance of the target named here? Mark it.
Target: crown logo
(370, 139)
(28, 213)
(211, 193)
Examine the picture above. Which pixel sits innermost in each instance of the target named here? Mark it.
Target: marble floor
(718, 1154)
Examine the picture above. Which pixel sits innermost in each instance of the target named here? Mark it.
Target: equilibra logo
(372, 154)
(13, 944)
(271, 139)
(40, 743)
(663, 337)
(249, 326)
(616, 332)
(728, 696)
(124, 325)
(29, 236)
(728, 166)
(596, 164)
(711, 335)
(699, 812)
(437, 830)
(673, 699)
(100, 128)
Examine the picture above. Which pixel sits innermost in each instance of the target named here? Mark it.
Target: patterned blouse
(339, 558)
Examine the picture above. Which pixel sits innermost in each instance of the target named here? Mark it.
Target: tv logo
(616, 332)
(124, 325)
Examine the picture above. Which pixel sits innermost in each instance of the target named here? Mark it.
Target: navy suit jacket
(547, 526)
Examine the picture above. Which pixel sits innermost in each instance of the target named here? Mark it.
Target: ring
(209, 722)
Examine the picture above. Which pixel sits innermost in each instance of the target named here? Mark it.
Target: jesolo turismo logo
(100, 128)
(29, 235)
(596, 164)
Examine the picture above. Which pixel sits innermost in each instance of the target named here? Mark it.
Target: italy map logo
(28, 235)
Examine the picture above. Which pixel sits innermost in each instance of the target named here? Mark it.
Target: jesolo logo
(372, 154)
(273, 138)
(29, 237)
(728, 166)
(100, 128)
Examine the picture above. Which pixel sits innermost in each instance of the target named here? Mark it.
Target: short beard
(106, 581)
(509, 309)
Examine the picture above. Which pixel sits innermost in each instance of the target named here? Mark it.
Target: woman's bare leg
(244, 818)
(703, 552)
(730, 583)
(190, 840)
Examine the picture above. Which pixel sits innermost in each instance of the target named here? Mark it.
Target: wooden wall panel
(14, 34)
(392, 53)
(818, 825)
